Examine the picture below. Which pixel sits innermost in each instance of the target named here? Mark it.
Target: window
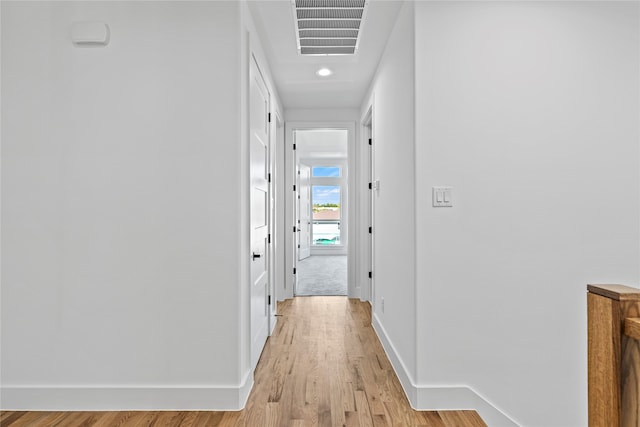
(326, 215)
(326, 172)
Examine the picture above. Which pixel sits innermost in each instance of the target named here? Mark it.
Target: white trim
(437, 398)
(244, 389)
(459, 398)
(280, 234)
(364, 208)
(399, 367)
(126, 398)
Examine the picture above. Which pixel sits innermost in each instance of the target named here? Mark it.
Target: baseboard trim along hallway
(430, 398)
(156, 398)
(323, 366)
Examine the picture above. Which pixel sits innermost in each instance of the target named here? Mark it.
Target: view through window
(326, 208)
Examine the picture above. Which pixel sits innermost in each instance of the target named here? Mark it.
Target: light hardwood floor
(323, 366)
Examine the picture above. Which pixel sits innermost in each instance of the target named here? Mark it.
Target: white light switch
(441, 196)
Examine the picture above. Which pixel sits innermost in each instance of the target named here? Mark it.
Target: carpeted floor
(322, 275)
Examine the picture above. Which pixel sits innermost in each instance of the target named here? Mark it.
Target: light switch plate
(441, 197)
(90, 33)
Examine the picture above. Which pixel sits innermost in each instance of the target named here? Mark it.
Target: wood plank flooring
(323, 366)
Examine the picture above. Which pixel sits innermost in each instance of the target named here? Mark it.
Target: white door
(304, 212)
(259, 146)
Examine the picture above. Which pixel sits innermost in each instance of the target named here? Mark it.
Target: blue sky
(325, 194)
(326, 171)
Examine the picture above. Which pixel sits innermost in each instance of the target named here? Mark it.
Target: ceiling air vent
(328, 27)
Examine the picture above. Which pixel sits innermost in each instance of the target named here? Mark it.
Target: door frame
(276, 139)
(367, 213)
(256, 72)
(354, 290)
(279, 234)
(301, 196)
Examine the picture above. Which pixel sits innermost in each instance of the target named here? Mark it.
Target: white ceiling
(295, 75)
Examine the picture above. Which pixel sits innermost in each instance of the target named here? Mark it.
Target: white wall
(120, 268)
(392, 99)
(530, 111)
(322, 115)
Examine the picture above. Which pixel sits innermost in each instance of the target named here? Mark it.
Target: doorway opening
(322, 210)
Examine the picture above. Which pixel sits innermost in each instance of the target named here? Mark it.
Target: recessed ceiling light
(324, 72)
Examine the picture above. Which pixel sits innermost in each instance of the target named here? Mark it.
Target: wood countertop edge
(616, 292)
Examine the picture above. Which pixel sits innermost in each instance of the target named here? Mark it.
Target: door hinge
(369, 141)
(269, 300)
(370, 230)
(294, 145)
(269, 238)
(370, 275)
(294, 187)
(269, 177)
(294, 229)
(270, 120)
(370, 186)
(298, 246)
(294, 270)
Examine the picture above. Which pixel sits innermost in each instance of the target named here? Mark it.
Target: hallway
(323, 366)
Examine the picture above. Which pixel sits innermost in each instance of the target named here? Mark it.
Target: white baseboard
(460, 398)
(398, 365)
(434, 398)
(114, 398)
(245, 389)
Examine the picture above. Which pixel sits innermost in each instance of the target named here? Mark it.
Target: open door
(259, 182)
(304, 212)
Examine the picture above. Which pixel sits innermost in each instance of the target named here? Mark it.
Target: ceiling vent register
(328, 27)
